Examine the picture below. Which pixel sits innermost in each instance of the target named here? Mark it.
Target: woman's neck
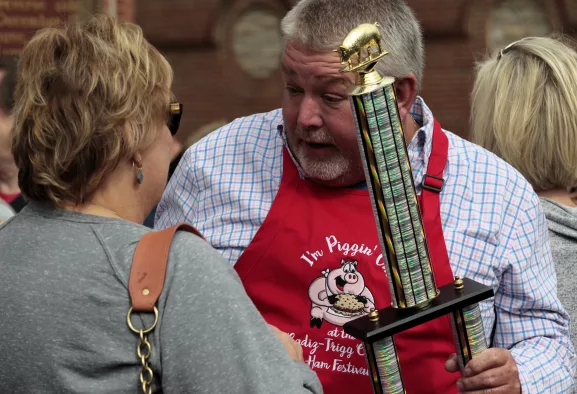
(117, 196)
(560, 196)
(119, 203)
(8, 178)
(92, 209)
(106, 209)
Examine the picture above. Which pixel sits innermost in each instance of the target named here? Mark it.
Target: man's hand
(493, 371)
(293, 348)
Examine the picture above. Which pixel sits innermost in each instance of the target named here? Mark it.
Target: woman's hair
(524, 109)
(88, 96)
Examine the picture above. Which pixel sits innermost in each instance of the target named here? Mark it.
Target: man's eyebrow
(287, 70)
(333, 79)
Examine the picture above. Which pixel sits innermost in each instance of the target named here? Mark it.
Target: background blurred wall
(458, 33)
(226, 53)
(19, 19)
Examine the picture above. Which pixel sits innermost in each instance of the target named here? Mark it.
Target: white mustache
(319, 136)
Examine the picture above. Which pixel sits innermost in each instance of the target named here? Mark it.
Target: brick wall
(454, 39)
(197, 37)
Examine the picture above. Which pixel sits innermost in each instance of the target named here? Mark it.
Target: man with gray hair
(283, 196)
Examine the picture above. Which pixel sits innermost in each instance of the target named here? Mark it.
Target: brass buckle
(144, 331)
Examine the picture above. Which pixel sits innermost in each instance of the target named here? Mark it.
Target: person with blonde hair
(524, 109)
(93, 119)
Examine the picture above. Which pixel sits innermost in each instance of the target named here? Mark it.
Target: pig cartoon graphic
(339, 295)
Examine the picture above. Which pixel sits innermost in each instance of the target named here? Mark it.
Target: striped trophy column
(397, 215)
(395, 206)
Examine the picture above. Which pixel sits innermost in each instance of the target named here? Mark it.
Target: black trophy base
(394, 320)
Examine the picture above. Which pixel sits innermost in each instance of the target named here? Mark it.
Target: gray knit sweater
(63, 286)
(562, 222)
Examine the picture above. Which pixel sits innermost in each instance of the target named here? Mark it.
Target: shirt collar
(419, 148)
(280, 129)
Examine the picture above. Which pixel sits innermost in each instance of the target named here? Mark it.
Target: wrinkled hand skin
(293, 348)
(492, 372)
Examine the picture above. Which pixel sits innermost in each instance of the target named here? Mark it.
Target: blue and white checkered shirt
(493, 225)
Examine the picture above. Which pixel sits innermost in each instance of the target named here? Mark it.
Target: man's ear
(406, 90)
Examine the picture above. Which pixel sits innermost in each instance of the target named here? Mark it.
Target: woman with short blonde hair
(92, 140)
(524, 109)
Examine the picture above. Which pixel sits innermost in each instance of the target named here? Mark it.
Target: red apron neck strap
(433, 183)
(433, 180)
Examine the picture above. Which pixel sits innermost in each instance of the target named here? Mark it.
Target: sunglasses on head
(174, 117)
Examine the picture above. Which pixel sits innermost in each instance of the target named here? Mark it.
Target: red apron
(319, 244)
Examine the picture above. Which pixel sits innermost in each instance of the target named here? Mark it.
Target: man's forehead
(326, 76)
(296, 53)
(317, 69)
(324, 66)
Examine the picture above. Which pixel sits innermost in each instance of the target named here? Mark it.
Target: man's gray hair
(323, 24)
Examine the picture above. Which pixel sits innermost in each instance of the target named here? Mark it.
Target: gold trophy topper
(360, 52)
(361, 48)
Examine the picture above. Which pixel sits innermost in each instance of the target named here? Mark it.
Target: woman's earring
(139, 173)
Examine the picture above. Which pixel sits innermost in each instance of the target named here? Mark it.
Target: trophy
(415, 297)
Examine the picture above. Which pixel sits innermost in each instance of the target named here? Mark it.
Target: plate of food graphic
(347, 305)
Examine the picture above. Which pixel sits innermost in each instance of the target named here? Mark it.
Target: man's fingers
(490, 358)
(300, 352)
(293, 348)
(451, 365)
(492, 378)
(493, 371)
(496, 390)
(297, 353)
(276, 330)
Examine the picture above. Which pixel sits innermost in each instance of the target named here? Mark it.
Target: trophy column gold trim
(399, 223)
(388, 171)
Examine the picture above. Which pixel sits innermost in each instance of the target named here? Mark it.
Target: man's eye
(332, 99)
(292, 90)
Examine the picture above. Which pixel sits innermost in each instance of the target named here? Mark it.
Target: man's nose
(309, 114)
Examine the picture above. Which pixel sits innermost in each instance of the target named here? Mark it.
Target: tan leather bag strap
(148, 269)
(145, 284)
